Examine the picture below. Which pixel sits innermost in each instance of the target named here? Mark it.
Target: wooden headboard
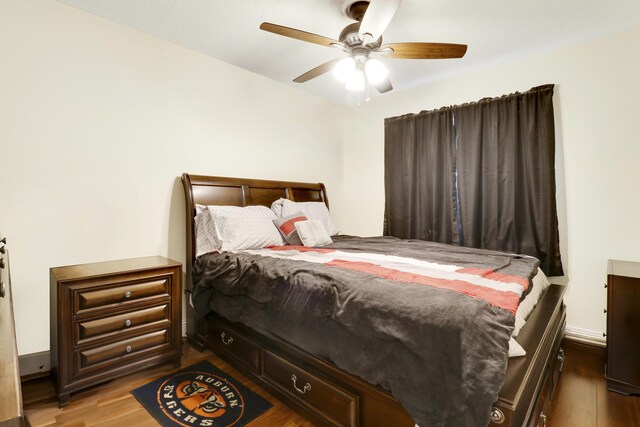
(216, 190)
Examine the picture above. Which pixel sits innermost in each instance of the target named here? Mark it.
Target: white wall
(597, 110)
(98, 121)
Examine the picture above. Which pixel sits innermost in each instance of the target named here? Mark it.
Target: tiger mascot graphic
(201, 399)
(198, 399)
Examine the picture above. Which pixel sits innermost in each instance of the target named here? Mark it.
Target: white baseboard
(583, 335)
(34, 363)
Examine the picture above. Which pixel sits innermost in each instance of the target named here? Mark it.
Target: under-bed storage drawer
(334, 405)
(551, 375)
(229, 340)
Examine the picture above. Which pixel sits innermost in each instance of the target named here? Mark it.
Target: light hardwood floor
(581, 399)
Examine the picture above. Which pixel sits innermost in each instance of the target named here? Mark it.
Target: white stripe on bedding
(406, 265)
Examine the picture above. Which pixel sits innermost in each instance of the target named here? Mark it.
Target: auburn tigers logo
(197, 399)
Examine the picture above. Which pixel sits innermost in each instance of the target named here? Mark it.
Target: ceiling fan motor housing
(350, 38)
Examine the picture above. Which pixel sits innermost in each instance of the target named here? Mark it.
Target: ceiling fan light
(376, 71)
(355, 81)
(344, 69)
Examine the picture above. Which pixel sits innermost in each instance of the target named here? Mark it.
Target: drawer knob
(497, 416)
(304, 390)
(127, 294)
(128, 349)
(225, 341)
(127, 323)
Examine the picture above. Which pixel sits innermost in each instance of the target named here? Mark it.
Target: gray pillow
(313, 233)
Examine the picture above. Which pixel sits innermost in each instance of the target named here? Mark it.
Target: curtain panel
(492, 188)
(420, 168)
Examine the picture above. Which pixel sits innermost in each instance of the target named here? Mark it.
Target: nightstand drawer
(120, 293)
(122, 349)
(336, 406)
(129, 322)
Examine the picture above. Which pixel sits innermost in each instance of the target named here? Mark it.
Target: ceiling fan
(361, 41)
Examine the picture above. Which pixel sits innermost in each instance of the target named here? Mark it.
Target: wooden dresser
(112, 318)
(11, 414)
(623, 327)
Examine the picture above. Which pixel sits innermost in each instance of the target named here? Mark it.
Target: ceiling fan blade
(384, 86)
(423, 50)
(315, 72)
(376, 19)
(299, 35)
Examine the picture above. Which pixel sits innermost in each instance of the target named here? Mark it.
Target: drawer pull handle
(305, 389)
(227, 342)
(127, 323)
(127, 294)
(561, 359)
(128, 349)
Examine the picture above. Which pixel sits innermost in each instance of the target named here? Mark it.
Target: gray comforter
(442, 354)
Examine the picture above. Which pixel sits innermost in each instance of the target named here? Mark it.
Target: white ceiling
(494, 30)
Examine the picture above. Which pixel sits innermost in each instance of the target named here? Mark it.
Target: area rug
(200, 395)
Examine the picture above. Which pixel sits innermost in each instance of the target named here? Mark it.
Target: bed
(326, 394)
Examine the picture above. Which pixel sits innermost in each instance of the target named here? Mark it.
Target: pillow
(276, 207)
(250, 227)
(312, 210)
(312, 233)
(515, 349)
(206, 240)
(287, 227)
(540, 283)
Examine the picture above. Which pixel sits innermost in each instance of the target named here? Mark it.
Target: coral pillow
(287, 227)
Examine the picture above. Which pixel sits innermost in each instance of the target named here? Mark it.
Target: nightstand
(112, 318)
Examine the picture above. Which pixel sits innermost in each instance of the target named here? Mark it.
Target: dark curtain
(479, 175)
(506, 176)
(420, 177)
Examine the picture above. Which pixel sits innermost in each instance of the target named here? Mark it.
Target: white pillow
(312, 233)
(515, 349)
(312, 210)
(276, 207)
(206, 240)
(539, 285)
(249, 227)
